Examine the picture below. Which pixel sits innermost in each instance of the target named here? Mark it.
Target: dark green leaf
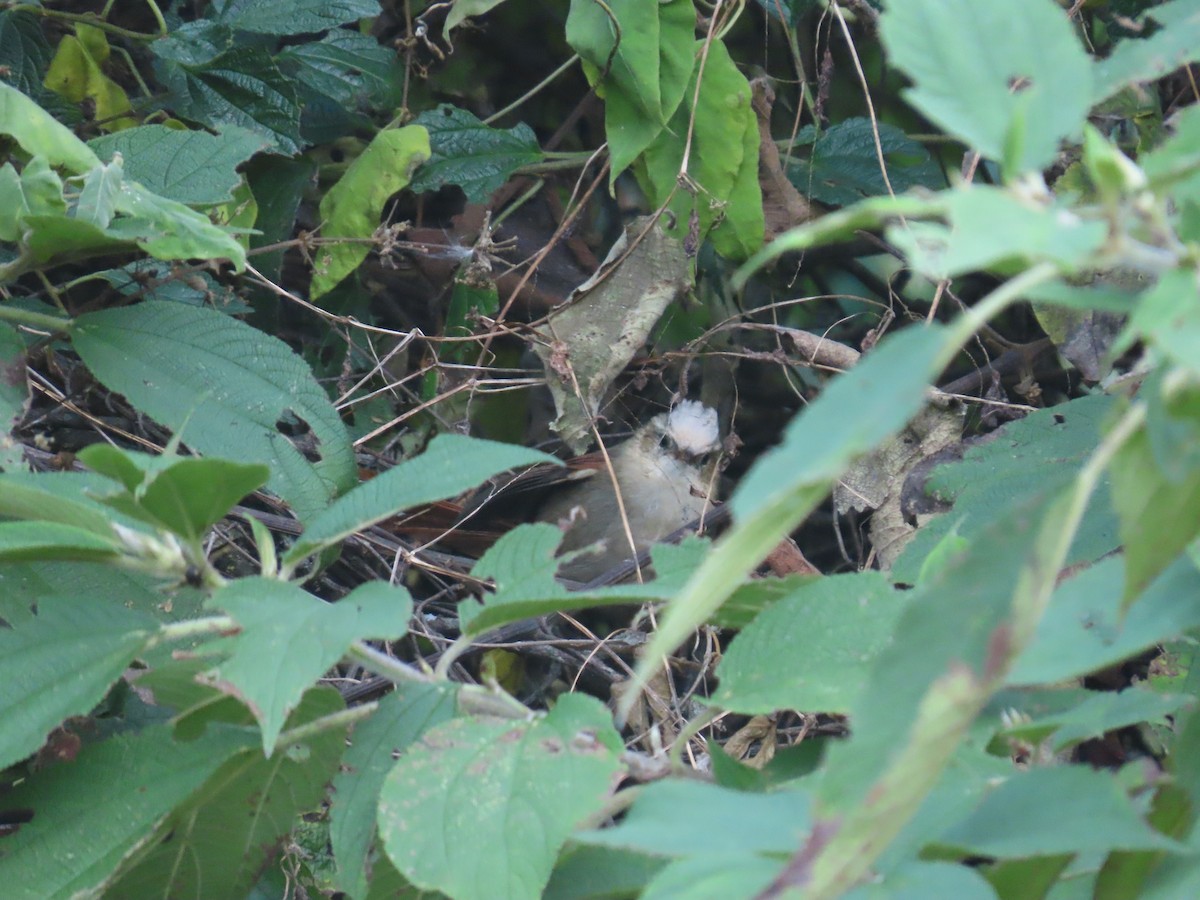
(239, 87)
(843, 166)
(294, 16)
(465, 152)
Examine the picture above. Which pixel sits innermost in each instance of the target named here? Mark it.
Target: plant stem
(31, 319)
(338, 720)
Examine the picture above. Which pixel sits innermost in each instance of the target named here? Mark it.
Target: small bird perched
(664, 485)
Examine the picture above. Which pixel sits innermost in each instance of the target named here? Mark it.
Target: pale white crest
(693, 427)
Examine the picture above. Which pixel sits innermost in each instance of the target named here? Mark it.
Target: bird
(666, 475)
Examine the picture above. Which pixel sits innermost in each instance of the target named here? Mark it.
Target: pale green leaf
(352, 207)
(289, 639)
(811, 650)
(39, 134)
(61, 663)
(1010, 79)
(1138, 59)
(480, 808)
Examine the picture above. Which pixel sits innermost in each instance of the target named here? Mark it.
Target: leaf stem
(31, 319)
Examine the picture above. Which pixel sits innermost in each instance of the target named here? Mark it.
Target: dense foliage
(283, 284)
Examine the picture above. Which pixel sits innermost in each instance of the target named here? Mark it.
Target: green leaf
(60, 664)
(39, 134)
(811, 650)
(451, 464)
(192, 167)
(650, 69)
(1008, 78)
(352, 207)
(27, 541)
(294, 16)
(1159, 516)
(992, 228)
(103, 805)
(239, 87)
(289, 639)
(585, 872)
(402, 717)
(345, 67)
(1097, 712)
(843, 166)
(1168, 315)
(57, 497)
(1074, 810)
(162, 356)
(1148, 59)
(169, 230)
(101, 194)
(723, 161)
(14, 400)
(24, 50)
(1040, 452)
(681, 818)
(714, 875)
(1086, 628)
(497, 799)
(474, 156)
(75, 74)
(217, 843)
(184, 496)
(464, 9)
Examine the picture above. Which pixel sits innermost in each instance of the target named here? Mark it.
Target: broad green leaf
(990, 227)
(61, 497)
(1011, 79)
(450, 465)
(39, 134)
(1077, 810)
(345, 67)
(53, 238)
(679, 817)
(1168, 315)
(855, 413)
(295, 16)
(1159, 516)
(185, 496)
(480, 807)
(169, 230)
(14, 399)
(474, 156)
(93, 811)
(217, 843)
(402, 717)
(843, 167)
(241, 87)
(29, 541)
(278, 185)
(1085, 627)
(1172, 167)
(24, 50)
(352, 207)
(723, 161)
(187, 166)
(41, 189)
(165, 358)
(100, 194)
(646, 55)
(1039, 452)
(924, 880)
(1147, 59)
(811, 650)
(60, 664)
(289, 639)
